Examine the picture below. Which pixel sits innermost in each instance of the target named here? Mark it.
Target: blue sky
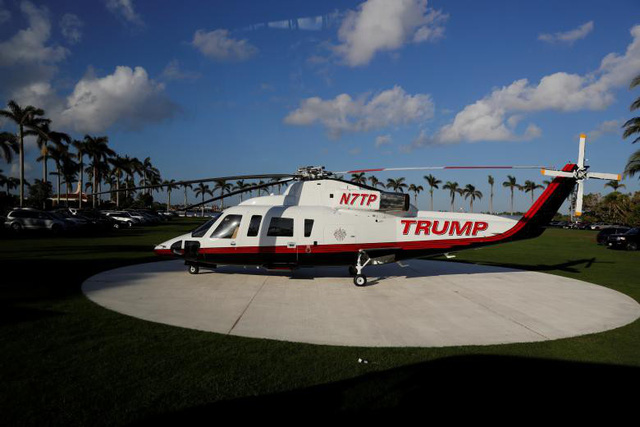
(218, 88)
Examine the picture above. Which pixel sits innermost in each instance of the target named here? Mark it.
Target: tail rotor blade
(583, 141)
(608, 176)
(579, 198)
(556, 173)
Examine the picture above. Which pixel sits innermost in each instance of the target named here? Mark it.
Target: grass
(66, 360)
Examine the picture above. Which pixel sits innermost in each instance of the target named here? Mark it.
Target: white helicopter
(324, 220)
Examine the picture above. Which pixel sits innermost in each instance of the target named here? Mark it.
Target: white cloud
(568, 37)
(128, 98)
(29, 45)
(173, 72)
(604, 128)
(496, 116)
(71, 28)
(124, 9)
(383, 140)
(346, 114)
(382, 25)
(219, 46)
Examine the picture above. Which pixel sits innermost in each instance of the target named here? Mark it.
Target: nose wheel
(194, 269)
(360, 279)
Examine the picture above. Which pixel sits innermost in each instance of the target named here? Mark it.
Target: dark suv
(604, 234)
(629, 240)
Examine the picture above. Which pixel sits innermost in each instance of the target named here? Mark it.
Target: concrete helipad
(425, 303)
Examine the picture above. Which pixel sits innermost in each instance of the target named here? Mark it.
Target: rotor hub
(581, 173)
(313, 172)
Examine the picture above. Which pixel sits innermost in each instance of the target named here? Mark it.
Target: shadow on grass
(474, 385)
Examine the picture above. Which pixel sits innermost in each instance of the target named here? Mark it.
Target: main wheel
(194, 269)
(360, 280)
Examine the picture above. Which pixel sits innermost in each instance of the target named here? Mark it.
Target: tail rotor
(580, 174)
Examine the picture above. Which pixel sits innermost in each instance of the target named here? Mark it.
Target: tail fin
(545, 207)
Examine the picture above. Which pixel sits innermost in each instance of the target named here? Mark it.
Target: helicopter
(324, 220)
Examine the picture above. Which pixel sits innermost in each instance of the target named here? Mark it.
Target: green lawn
(66, 360)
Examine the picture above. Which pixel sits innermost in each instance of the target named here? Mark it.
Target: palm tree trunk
(202, 207)
(81, 184)
(168, 200)
(185, 198)
(117, 191)
(58, 184)
(491, 201)
(431, 191)
(21, 139)
(511, 201)
(94, 186)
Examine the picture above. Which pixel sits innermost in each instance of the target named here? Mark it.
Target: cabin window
(254, 226)
(280, 227)
(308, 227)
(228, 228)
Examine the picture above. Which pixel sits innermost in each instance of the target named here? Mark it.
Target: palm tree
(69, 170)
(453, 189)
(224, 187)
(530, 187)
(397, 184)
(546, 182)
(202, 190)
(8, 146)
(511, 183)
(59, 154)
(433, 183)
(471, 193)
(632, 127)
(81, 150)
(415, 189)
(491, 181)
(240, 185)
(170, 185)
(185, 186)
(358, 178)
(11, 183)
(615, 185)
(260, 190)
(27, 118)
(44, 136)
(375, 182)
(118, 168)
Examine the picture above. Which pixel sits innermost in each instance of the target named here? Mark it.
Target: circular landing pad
(422, 304)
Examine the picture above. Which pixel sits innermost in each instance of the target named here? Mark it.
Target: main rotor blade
(235, 193)
(579, 198)
(609, 176)
(196, 181)
(420, 168)
(583, 140)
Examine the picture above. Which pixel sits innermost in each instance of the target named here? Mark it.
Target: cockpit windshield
(201, 230)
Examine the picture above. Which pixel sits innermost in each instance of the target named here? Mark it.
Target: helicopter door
(281, 230)
(227, 231)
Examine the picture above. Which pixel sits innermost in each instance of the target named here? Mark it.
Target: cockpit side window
(228, 228)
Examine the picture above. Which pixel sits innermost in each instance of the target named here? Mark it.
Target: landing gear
(356, 270)
(194, 269)
(360, 280)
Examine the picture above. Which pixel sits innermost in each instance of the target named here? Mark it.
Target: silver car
(32, 219)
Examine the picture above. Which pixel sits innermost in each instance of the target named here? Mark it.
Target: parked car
(123, 218)
(19, 220)
(629, 240)
(604, 234)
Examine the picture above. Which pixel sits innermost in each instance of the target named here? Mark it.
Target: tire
(360, 280)
(16, 227)
(194, 269)
(632, 246)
